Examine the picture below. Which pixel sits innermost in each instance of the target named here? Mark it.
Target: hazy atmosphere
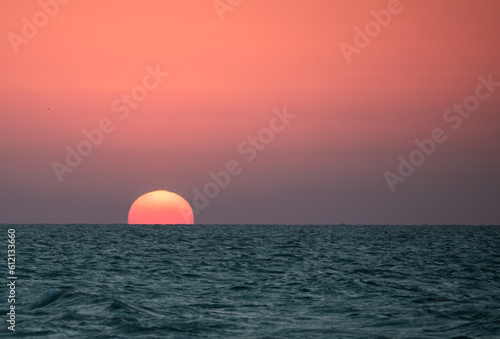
(276, 112)
(250, 168)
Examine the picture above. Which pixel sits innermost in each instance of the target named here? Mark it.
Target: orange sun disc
(160, 207)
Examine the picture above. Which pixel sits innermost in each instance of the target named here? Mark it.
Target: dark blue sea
(254, 281)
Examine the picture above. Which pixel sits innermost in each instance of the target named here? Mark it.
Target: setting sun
(160, 207)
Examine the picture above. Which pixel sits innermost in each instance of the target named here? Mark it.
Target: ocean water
(255, 281)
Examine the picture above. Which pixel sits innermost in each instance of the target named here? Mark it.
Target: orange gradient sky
(352, 121)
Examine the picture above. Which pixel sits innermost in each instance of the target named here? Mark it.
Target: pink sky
(225, 78)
